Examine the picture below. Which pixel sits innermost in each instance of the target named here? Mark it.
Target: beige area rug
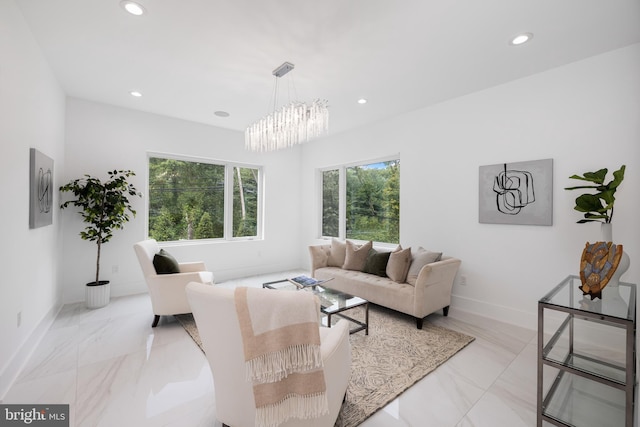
(393, 357)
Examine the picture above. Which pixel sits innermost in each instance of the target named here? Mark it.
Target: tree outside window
(372, 197)
(188, 199)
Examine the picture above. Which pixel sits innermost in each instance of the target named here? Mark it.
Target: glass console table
(592, 346)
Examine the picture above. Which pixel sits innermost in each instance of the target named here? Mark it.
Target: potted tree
(104, 207)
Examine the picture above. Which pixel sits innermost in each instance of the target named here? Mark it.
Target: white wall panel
(31, 116)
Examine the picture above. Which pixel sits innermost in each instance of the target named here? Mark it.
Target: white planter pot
(606, 231)
(97, 296)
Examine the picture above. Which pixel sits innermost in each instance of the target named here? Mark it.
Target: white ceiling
(191, 58)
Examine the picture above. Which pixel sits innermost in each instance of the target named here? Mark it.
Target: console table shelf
(589, 389)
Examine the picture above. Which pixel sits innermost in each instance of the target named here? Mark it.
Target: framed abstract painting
(516, 193)
(40, 189)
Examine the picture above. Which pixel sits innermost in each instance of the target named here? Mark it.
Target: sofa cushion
(165, 263)
(398, 264)
(420, 258)
(337, 253)
(319, 255)
(375, 289)
(356, 255)
(376, 263)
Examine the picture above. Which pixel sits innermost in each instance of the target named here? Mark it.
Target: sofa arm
(336, 358)
(167, 291)
(319, 256)
(433, 286)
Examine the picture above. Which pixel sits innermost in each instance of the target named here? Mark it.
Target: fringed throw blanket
(282, 353)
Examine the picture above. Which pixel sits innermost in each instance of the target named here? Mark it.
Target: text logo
(34, 415)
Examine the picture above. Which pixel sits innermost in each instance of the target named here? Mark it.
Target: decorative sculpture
(598, 263)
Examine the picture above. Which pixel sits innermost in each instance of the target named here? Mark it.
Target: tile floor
(115, 370)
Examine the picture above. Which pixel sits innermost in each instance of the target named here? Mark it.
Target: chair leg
(155, 321)
(445, 311)
(419, 323)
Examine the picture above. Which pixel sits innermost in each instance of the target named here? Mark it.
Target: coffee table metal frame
(329, 310)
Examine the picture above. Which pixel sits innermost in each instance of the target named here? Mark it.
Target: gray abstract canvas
(40, 189)
(517, 193)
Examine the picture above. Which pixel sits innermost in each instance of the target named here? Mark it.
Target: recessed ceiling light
(362, 101)
(521, 39)
(135, 94)
(221, 114)
(133, 7)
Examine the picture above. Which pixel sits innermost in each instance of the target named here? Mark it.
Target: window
(330, 202)
(371, 194)
(200, 199)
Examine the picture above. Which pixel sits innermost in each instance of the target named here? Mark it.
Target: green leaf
(582, 186)
(589, 203)
(618, 176)
(597, 177)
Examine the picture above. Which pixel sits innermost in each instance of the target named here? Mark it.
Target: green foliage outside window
(330, 202)
(187, 200)
(372, 202)
(245, 202)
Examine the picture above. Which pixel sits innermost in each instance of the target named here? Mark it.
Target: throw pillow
(376, 263)
(337, 254)
(164, 263)
(398, 264)
(421, 257)
(356, 255)
(319, 256)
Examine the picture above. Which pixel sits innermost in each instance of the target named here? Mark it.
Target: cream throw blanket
(281, 343)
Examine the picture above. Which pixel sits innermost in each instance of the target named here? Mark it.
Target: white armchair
(215, 315)
(167, 290)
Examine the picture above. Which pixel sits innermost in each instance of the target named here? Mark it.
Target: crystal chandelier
(293, 124)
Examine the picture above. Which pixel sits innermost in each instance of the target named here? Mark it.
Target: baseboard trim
(16, 364)
(607, 337)
(498, 312)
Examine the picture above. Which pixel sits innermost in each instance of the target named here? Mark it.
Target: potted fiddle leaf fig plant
(104, 208)
(597, 206)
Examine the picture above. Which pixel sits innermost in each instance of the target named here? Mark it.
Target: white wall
(31, 116)
(102, 138)
(584, 115)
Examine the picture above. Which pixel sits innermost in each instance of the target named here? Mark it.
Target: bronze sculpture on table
(598, 263)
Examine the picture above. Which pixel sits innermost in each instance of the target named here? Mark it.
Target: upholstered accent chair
(167, 290)
(215, 315)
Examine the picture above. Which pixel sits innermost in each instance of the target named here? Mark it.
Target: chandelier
(292, 124)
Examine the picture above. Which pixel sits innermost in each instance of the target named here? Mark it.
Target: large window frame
(229, 181)
(342, 196)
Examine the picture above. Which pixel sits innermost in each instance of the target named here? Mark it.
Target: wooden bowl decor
(598, 263)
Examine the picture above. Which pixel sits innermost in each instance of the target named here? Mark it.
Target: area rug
(393, 357)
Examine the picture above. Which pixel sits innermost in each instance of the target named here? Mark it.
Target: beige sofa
(431, 292)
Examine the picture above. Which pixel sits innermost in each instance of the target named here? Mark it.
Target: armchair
(167, 290)
(215, 315)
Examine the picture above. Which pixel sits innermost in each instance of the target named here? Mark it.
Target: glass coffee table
(332, 303)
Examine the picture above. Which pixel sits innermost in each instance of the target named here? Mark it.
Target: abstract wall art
(517, 193)
(40, 189)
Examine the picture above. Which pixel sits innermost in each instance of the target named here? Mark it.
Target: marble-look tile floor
(116, 371)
